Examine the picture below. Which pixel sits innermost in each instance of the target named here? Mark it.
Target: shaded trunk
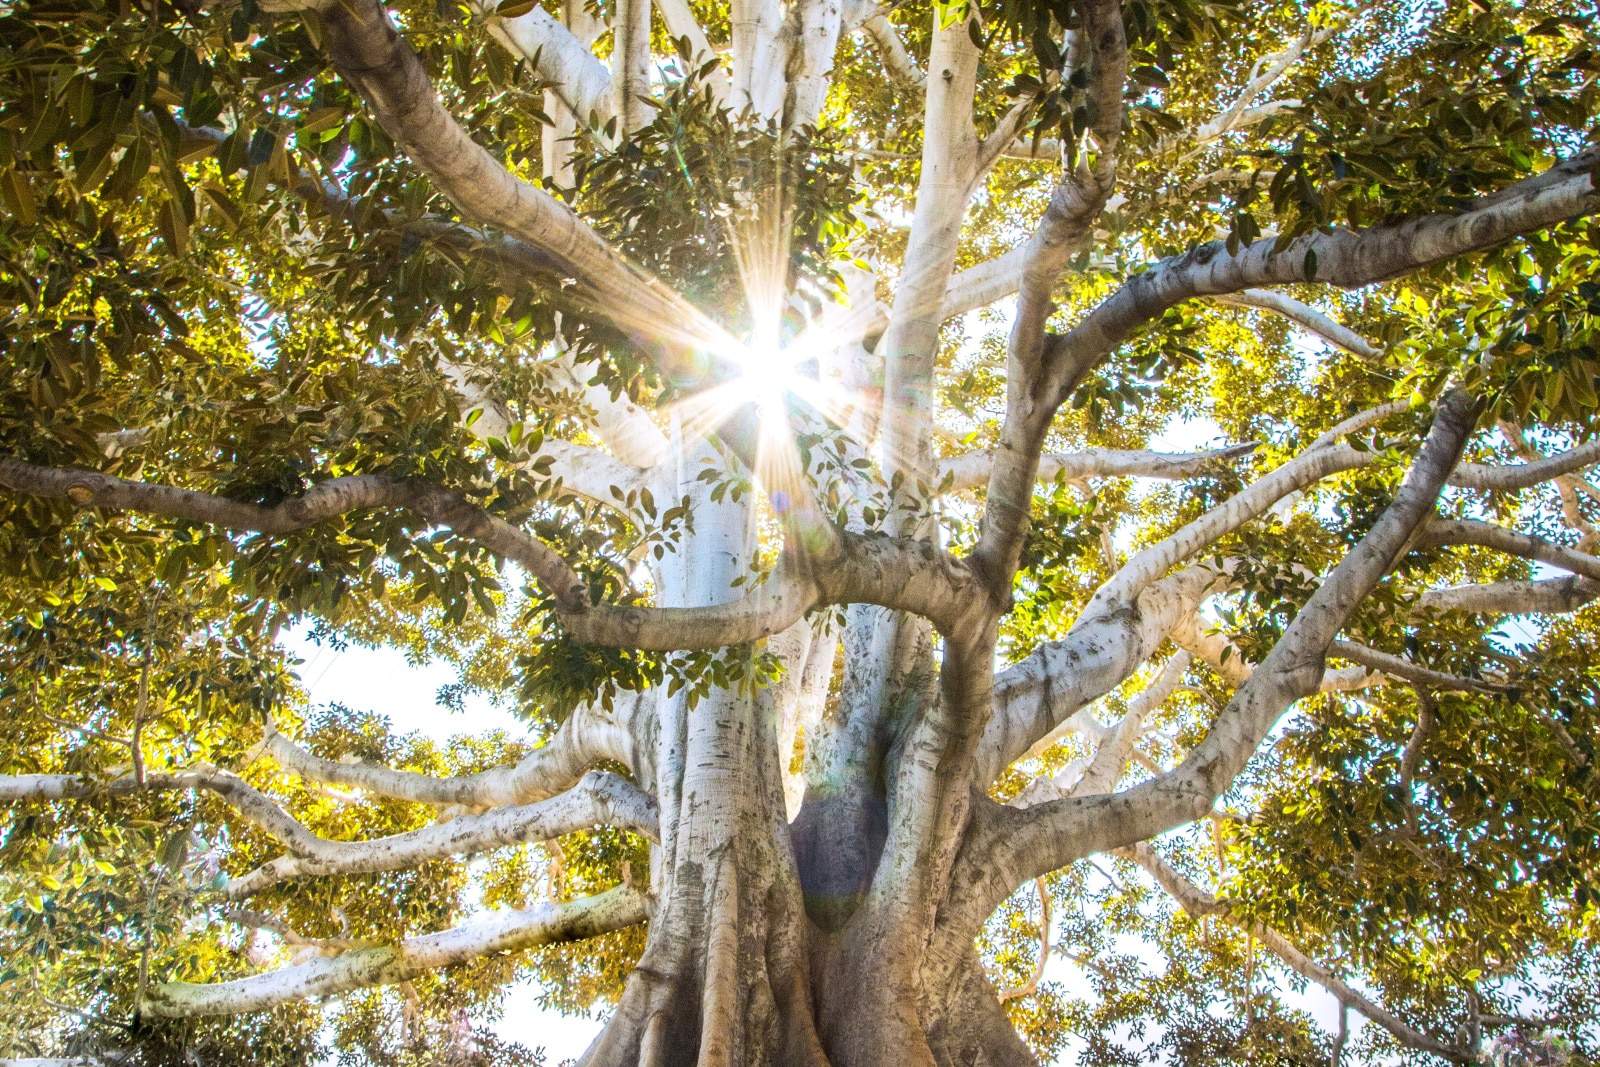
(757, 956)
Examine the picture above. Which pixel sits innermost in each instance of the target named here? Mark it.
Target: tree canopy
(946, 487)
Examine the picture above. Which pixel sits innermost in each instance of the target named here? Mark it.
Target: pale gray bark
(598, 799)
(501, 931)
(1546, 596)
(971, 470)
(1026, 844)
(1472, 532)
(899, 62)
(630, 64)
(817, 24)
(1306, 317)
(561, 58)
(591, 734)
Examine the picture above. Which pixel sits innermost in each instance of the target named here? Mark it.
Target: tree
(766, 400)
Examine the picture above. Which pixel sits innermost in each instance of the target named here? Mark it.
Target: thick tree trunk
(725, 975)
(736, 972)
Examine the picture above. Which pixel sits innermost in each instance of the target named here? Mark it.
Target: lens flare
(780, 369)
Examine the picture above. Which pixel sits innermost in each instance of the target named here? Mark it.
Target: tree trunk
(766, 947)
(757, 956)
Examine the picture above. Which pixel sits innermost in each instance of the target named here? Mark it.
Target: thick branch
(587, 737)
(1546, 596)
(1032, 697)
(630, 63)
(370, 54)
(970, 471)
(758, 82)
(495, 932)
(1305, 316)
(1059, 831)
(944, 187)
(1078, 200)
(626, 428)
(905, 575)
(559, 58)
(1522, 475)
(1487, 535)
(771, 607)
(1345, 258)
(600, 798)
(818, 24)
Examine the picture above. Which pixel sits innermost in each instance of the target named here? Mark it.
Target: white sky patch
(1187, 435)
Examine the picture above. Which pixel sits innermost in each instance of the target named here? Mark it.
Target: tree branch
(681, 23)
(630, 63)
(1198, 904)
(254, 806)
(1075, 204)
(599, 798)
(1054, 833)
(944, 188)
(1440, 531)
(495, 932)
(901, 65)
(587, 737)
(325, 500)
(370, 54)
(1346, 258)
(764, 611)
(560, 59)
(1305, 316)
(1079, 198)
(817, 24)
(1032, 983)
(1522, 475)
(1228, 661)
(1100, 771)
(969, 471)
(904, 575)
(758, 81)
(1546, 596)
(1250, 503)
(586, 472)
(1098, 653)
(625, 427)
